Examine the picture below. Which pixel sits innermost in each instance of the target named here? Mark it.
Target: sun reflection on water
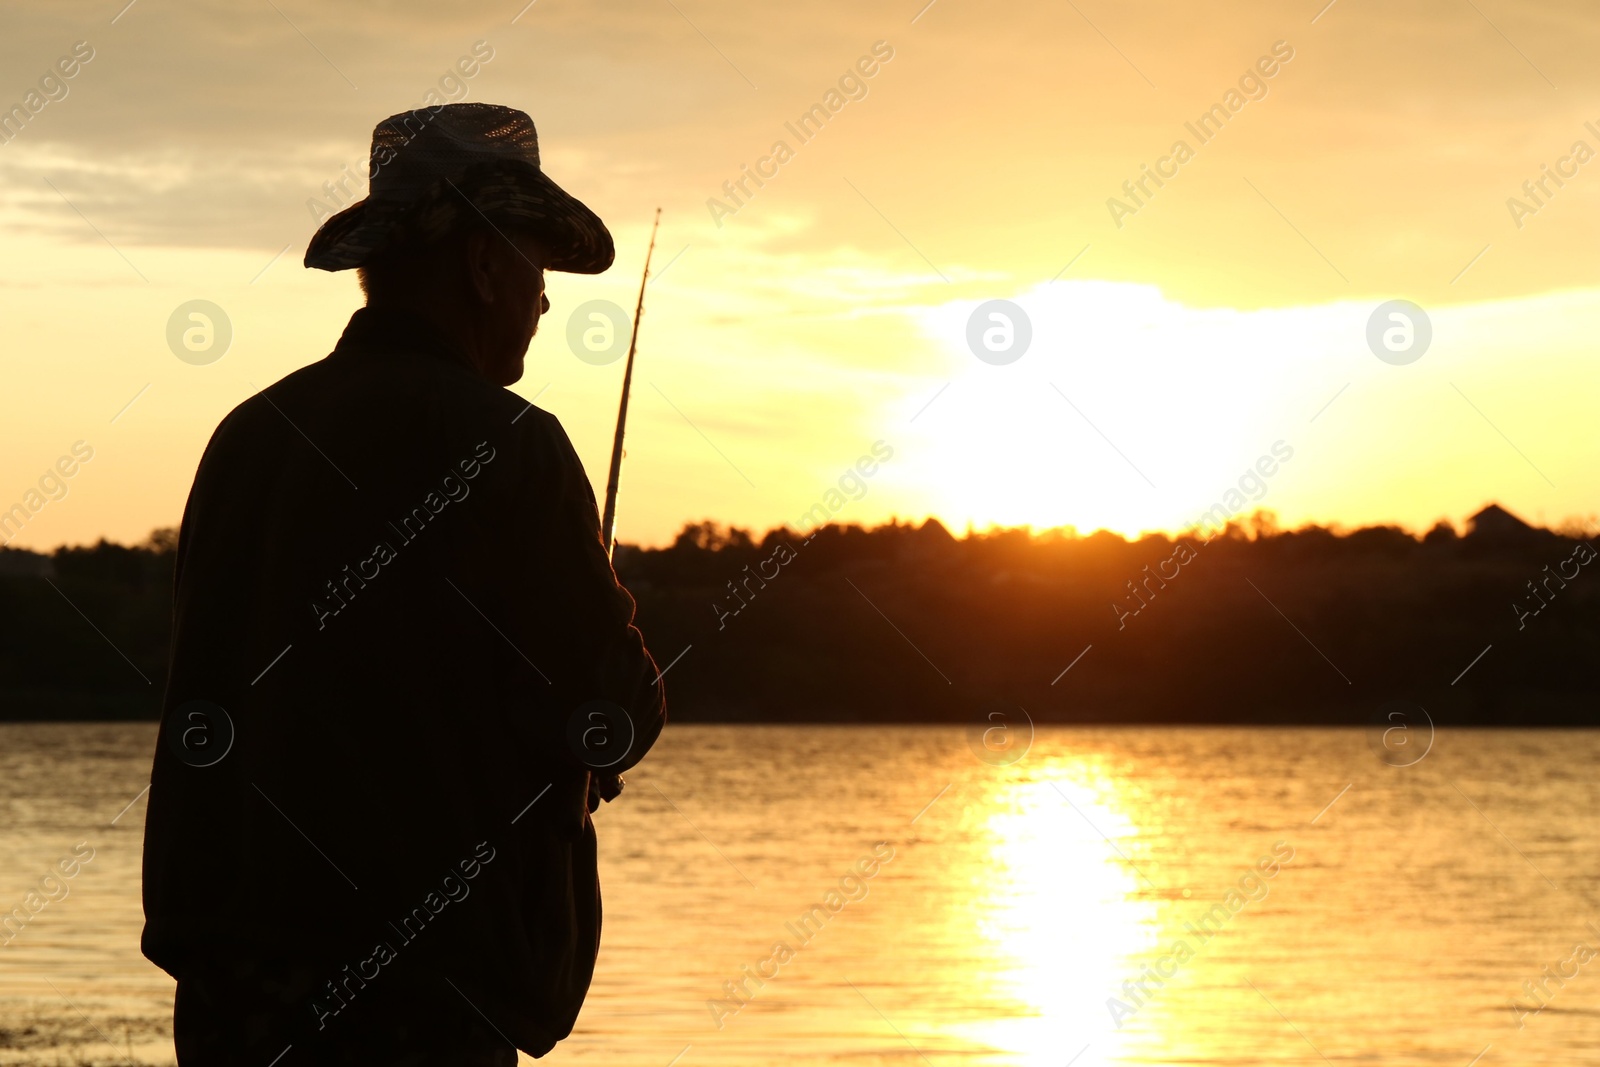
(1060, 912)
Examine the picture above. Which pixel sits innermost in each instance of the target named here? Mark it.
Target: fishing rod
(609, 522)
(609, 786)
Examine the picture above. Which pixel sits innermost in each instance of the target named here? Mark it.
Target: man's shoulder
(364, 391)
(538, 424)
(355, 418)
(543, 445)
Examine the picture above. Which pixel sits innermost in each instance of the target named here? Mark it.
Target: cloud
(1391, 142)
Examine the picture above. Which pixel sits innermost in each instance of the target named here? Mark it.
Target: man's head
(482, 286)
(459, 226)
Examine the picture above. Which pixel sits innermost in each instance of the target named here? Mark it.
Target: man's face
(517, 285)
(532, 256)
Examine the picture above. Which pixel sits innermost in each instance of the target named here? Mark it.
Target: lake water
(1405, 909)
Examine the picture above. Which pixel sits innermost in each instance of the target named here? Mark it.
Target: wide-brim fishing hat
(432, 166)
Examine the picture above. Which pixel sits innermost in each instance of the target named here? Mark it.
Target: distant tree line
(905, 623)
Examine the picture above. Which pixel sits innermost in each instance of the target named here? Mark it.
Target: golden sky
(1366, 153)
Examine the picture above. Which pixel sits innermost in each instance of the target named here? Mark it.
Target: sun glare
(1062, 914)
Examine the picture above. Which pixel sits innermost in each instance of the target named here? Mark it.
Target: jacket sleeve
(594, 652)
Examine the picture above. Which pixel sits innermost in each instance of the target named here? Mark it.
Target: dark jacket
(391, 581)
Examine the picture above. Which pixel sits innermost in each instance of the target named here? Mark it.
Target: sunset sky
(1172, 344)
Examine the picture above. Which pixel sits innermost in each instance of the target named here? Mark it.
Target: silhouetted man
(400, 652)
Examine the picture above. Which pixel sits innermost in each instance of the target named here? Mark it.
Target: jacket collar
(387, 330)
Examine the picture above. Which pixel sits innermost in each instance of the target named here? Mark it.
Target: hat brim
(579, 242)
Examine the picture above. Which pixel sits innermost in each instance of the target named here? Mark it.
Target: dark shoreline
(1499, 626)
